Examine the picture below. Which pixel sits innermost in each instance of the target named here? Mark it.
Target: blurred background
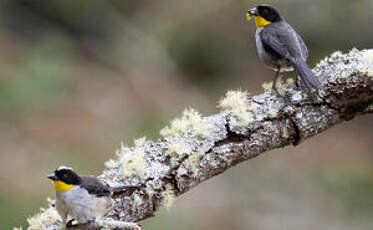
(79, 77)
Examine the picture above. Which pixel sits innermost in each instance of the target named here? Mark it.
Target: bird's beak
(250, 13)
(52, 177)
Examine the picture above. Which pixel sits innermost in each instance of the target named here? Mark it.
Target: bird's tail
(305, 73)
(128, 189)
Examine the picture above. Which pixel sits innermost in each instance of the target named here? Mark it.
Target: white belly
(81, 205)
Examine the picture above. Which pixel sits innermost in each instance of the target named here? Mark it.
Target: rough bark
(346, 92)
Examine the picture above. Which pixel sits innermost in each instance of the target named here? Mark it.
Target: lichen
(140, 141)
(46, 216)
(281, 84)
(236, 102)
(272, 113)
(335, 55)
(176, 148)
(253, 107)
(367, 61)
(284, 133)
(193, 161)
(267, 86)
(130, 161)
(289, 81)
(150, 192)
(111, 163)
(133, 162)
(191, 120)
(168, 197)
(342, 66)
(137, 200)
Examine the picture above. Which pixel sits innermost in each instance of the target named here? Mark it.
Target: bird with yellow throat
(280, 47)
(80, 197)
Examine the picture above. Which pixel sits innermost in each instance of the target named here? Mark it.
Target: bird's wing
(303, 47)
(94, 186)
(282, 39)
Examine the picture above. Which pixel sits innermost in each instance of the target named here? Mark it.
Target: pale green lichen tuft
(345, 74)
(236, 101)
(111, 163)
(335, 55)
(132, 162)
(150, 192)
(191, 120)
(267, 86)
(284, 133)
(168, 197)
(272, 113)
(367, 63)
(45, 218)
(140, 142)
(289, 81)
(176, 148)
(281, 84)
(193, 161)
(253, 107)
(137, 200)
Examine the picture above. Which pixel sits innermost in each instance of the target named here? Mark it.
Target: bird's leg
(297, 81)
(285, 98)
(275, 80)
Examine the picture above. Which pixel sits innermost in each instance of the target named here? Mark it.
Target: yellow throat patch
(260, 21)
(60, 186)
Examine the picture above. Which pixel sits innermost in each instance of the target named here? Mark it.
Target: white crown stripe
(64, 167)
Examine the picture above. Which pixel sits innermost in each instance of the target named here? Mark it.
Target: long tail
(305, 74)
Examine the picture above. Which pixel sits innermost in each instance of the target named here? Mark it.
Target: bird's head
(263, 15)
(64, 178)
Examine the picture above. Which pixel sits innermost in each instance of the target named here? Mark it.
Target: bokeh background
(77, 78)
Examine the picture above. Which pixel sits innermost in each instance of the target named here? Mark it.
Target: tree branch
(196, 149)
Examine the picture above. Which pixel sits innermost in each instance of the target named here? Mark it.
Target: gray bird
(280, 47)
(82, 198)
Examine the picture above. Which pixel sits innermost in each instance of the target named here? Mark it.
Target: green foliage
(199, 52)
(36, 78)
(353, 189)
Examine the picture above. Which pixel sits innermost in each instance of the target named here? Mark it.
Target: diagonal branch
(195, 149)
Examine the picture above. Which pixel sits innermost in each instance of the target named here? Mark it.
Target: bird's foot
(70, 224)
(284, 97)
(297, 84)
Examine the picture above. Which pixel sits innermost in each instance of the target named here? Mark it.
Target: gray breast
(270, 60)
(83, 206)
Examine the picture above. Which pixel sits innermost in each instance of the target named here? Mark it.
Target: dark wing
(303, 47)
(282, 39)
(94, 186)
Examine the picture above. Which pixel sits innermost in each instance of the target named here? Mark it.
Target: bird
(81, 197)
(280, 47)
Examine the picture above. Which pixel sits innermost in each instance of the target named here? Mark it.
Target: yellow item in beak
(248, 16)
(260, 21)
(60, 186)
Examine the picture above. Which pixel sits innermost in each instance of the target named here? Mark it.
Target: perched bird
(82, 198)
(279, 46)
